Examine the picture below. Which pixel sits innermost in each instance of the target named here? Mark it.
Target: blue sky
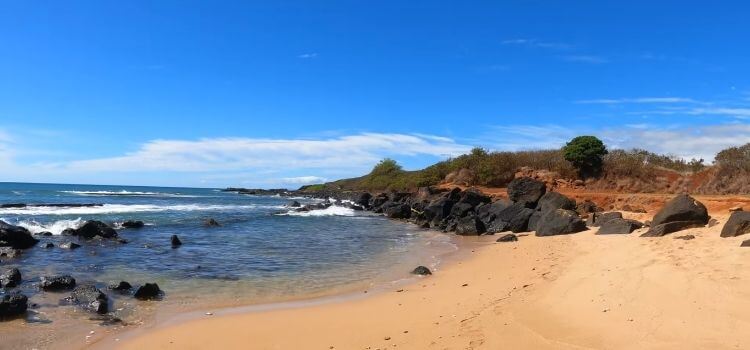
(282, 93)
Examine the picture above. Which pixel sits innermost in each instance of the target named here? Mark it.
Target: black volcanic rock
(15, 237)
(10, 278)
(470, 226)
(175, 241)
(526, 191)
(90, 298)
(619, 226)
(738, 224)
(148, 291)
(12, 305)
(211, 223)
(559, 222)
(120, 286)
(422, 271)
(57, 283)
(91, 229)
(680, 213)
(133, 224)
(508, 237)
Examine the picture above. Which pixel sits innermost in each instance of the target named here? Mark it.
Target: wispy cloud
(303, 180)
(732, 112)
(592, 59)
(308, 55)
(537, 43)
(682, 141)
(638, 100)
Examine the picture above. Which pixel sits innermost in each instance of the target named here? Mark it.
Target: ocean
(263, 252)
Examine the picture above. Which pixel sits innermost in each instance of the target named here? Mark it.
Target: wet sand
(563, 292)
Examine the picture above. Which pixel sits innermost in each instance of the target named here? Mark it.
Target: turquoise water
(262, 251)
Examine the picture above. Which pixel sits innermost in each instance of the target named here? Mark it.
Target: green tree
(386, 166)
(585, 154)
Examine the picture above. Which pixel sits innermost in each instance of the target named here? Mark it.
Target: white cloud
(585, 59)
(733, 112)
(537, 43)
(304, 180)
(308, 55)
(683, 141)
(639, 100)
(227, 154)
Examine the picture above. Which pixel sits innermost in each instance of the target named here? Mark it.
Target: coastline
(463, 247)
(570, 291)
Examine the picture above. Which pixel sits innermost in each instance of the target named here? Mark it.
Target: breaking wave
(128, 194)
(333, 210)
(124, 208)
(56, 227)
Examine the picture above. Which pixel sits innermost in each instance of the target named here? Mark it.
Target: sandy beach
(563, 292)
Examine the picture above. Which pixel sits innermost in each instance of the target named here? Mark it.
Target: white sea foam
(56, 227)
(124, 208)
(128, 193)
(333, 210)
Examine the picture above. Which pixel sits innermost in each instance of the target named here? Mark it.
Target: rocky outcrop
(176, 242)
(10, 278)
(598, 219)
(422, 271)
(618, 226)
(526, 191)
(12, 305)
(210, 222)
(148, 291)
(120, 286)
(90, 298)
(398, 211)
(133, 224)
(508, 237)
(57, 283)
(559, 222)
(470, 226)
(738, 224)
(680, 213)
(514, 218)
(69, 245)
(92, 229)
(553, 201)
(15, 237)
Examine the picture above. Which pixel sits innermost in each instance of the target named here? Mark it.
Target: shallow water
(263, 252)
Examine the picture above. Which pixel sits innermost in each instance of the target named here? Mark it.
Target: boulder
(669, 227)
(534, 220)
(553, 201)
(681, 208)
(526, 191)
(90, 298)
(10, 278)
(559, 222)
(619, 226)
(210, 222)
(460, 209)
(738, 224)
(57, 283)
(133, 224)
(470, 226)
(473, 197)
(378, 201)
(175, 241)
(48, 245)
(398, 211)
(508, 237)
(16, 237)
(439, 209)
(488, 212)
(91, 229)
(514, 218)
(294, 204)
(422, 271)
(745, 243)
(8, 252)
(12, 305)
(148, 291)
(120, 286)
(598, 219)
(69, 245)
(363, 199)
(679, 213)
